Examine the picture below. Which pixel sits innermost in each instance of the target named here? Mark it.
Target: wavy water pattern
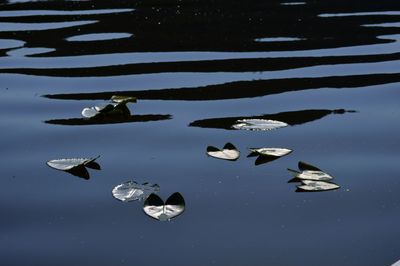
(328, 69)
(162, 57)
(28, 13)
(14, 27)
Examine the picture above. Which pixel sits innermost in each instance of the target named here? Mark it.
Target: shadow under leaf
(108, 120)
(292, 118)
(262, 159)
(80, 171)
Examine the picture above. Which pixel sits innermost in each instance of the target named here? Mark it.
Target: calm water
(330, 69)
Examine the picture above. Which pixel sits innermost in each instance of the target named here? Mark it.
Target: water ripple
(15, 26)
(27, 13)
(159, 57)
(98, 37)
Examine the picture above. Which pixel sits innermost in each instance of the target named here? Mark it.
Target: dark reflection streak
(191, 25)
(241, 89)
(103, 121)
(292, 118)
(232, 65)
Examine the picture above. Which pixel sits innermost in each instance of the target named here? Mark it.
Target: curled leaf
(130, 191)
(276, 152)
(90, 112)
(68, 164)
(229, 152)
(314, 186)
(313, 175)
(154, 207)
(258, 124)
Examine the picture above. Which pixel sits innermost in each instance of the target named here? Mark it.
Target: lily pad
(90, 112)
(314, 186)
(314, 175)
(258, 124)
(229, 152)
(154, 207)
(106, 110)
(117, 107)
(276, 152)
(69, 164)
(130, 191)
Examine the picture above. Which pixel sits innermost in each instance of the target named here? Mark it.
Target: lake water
(330, 69)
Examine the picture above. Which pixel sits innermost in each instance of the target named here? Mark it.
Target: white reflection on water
(293, 3)
(10, 43)
(14, 26)
(159, 57)
(26, 13)
(98, 37)
(29, 51)
(388, 13)
(279, 39)
(384, 25)
(187, 80)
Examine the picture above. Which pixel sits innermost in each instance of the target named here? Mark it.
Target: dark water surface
(330, 69)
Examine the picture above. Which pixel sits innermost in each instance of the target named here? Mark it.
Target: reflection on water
(108, 120)
(26, 13)
(278, 39)
(29, 51)
(7, 44)
(384, 25)
(206, 64)
(98, 37)
(391, 46)
(291, 118)
(14, 26)
(384, 13)
(293, 3)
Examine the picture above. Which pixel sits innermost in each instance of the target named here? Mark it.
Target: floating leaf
(123, 99)
(314, 186)
(276, 152)
(117, 107)
(130, 191)
(258, 124)
(68, 164)
(305, 166)
(229, 152)
(155, 207)
(90, 112)
(313, 175)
